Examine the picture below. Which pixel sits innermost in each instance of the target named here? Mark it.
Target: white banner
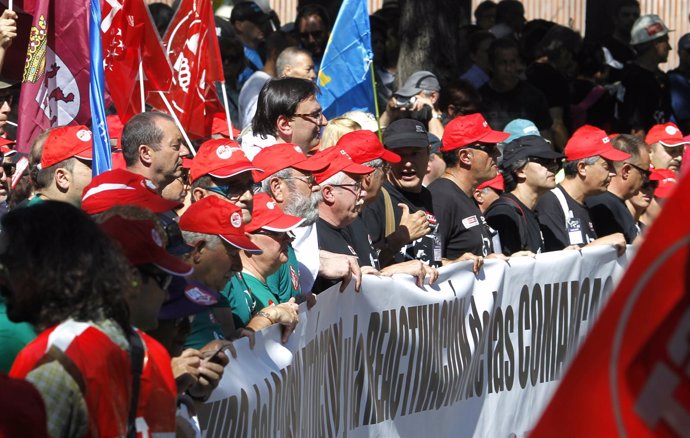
(472, 356)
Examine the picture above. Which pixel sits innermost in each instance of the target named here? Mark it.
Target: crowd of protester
(122, 294)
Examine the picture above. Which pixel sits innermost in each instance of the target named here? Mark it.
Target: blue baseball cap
(520, 128)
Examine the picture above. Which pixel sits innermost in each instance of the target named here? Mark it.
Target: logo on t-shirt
(200, 297)
(294, 278)
(470, 221)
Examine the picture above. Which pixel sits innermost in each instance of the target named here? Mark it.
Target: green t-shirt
(204, 326)
(247, 295)
(13, 337)
(285, 281)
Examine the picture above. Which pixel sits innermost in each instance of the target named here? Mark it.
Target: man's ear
(582, 169)
(284, 127)
(465, 156)
(478, 196)
(275, 186)
(328, 195)
(145, 155)
(198, 194)
(63, 179)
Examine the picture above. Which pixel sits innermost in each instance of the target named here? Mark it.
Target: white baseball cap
(648, 28)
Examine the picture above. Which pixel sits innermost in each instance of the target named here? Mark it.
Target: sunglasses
(162, 279)
(552, 165)
(488, 148)
(230, 191)
(646, 173)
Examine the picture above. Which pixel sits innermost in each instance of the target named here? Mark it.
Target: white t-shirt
(249, 95)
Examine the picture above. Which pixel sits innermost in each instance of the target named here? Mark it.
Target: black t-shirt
(374, 217)
(646, 100)
(517, 225)
(522, 102)
(358, 237)
(333, 240)
(550, 82)
(610, 215)
(598, 112)
(461, 224)
(557, 235)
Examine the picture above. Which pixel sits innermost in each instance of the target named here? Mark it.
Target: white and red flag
(55, 83)
(130, 38)
(631, 378)
(192, 47)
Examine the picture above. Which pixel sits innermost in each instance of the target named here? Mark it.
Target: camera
(404, 102)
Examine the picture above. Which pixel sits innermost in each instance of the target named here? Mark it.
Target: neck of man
(462, 178)
(270, 67)
(575, 189)
(503, 86)
(618, 188)
(648, 61)
(53, 193)
(147, 173)
(527, 195)
(327, 214)
(250, 265)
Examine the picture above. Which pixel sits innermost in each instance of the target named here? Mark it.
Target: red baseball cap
(219, 125)
(281, 156)
(495, 183)
(212, 215)
(267, 215)
(115, 126)
(142, 244)
(589, 141)
(364, 146)
(66, 142)
(221, 158)
(465, 130)
(666, 134)
(5, 146)
(667, 180)
(338, 161)
(122, 187)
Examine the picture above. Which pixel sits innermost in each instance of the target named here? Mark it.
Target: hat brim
(284, 224)
(86, 154)
(180, 249)
(390, 156)
(494, 137)
(672, 143)
(311, 165)
(358, 169)
(407, 92)
(171, 264)
(613, 154)
(547, 154)
(241, 242)
(227, 172)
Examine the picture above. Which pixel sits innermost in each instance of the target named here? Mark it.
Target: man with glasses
(221, 169)
(563, 216)
(470, 152)
(343, 199)
(287, 112)
(608, 210)
(529, 168)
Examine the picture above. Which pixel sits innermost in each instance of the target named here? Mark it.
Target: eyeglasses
(6, 98)
(488, 148)
(162, 279)
(314, 117)
(384, 168)
(278, 235)
(550, 165)
(356, 187)
(231, 191)
(646, 173)
(308, 180)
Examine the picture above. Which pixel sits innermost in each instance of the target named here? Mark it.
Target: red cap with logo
(465, 130)
(142, 244)
(213, 215)
(281, 156)
(219, 125)
(66, 142)
(221, 158)
(666, 134)
(589, 141)
(267, 215)
(339, 161)
(495, 183)
(122, 187)
(667, 181)
(364, 146)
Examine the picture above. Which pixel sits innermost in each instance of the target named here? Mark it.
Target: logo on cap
(270, 205)
(236, 220)
(298, 149)
(654, 29)
(156, 238)
(671, 130)
(605, 140)
(198, 296)
(84, 135)
(418, 128)
(224, 152)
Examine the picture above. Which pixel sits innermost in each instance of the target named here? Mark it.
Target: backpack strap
(567, 213)
(137, 356)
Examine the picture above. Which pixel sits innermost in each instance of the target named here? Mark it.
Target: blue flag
(345, 75)
(101, 142)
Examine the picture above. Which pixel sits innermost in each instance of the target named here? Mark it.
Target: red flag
(192, 47)
(129, 36)
(631, 376)
(55, 84)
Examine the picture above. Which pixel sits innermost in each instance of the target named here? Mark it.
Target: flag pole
(141, 82)
(177, 122)
(227, 110)
(9, 6)
(376, 101)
